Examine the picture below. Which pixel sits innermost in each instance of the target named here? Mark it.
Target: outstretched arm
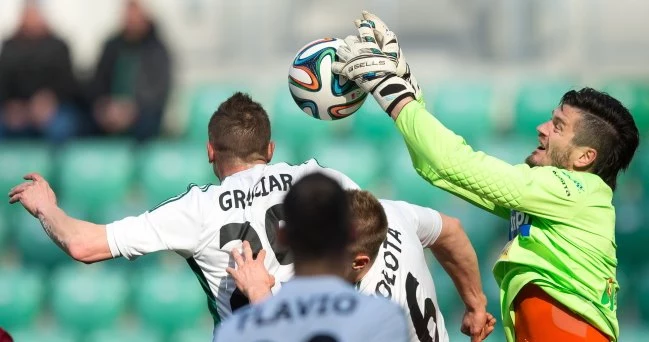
(83, 241)
(455, 253)
(440, 155)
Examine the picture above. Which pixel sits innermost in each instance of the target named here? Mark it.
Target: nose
(542, 129)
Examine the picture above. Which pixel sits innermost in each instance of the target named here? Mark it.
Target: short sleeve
(175, 225)
(427, 221)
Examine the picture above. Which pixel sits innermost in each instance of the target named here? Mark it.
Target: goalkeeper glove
(389, 45)
(362, 61)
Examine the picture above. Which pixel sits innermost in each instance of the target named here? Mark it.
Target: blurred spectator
(132, 80)
(37, 84)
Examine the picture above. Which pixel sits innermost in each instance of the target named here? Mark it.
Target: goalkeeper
(557, 273)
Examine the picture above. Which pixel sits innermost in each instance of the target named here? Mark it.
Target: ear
(270, 151)
(211, 154)
(585, 157)
(360, 262)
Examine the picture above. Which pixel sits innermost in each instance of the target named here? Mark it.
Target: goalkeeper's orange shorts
(540, 318)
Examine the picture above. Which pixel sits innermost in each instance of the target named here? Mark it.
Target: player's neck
(228, 169)
(312, 268)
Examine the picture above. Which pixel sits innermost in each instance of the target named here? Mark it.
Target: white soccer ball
(315, 89)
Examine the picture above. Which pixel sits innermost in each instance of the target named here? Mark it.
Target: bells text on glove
(365, 64)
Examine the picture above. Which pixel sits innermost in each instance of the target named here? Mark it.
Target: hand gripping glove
(362, 61)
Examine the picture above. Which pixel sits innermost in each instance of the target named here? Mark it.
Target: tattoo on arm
(47, 227)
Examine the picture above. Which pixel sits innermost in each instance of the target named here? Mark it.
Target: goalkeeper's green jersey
(562, 235)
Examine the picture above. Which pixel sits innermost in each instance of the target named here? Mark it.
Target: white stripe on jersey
(204, 224)
(400, 271)
(322, 308)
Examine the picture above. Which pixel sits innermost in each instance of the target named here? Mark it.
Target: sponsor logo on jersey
(520, 223)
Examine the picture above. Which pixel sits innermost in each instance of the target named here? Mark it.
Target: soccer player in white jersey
(388, 260)
(204, 223)
(318, 304)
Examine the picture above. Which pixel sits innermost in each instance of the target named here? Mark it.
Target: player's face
(555, 139)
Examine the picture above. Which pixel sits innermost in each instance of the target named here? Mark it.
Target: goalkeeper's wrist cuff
(390, 91)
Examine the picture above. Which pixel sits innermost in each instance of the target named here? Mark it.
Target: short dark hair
(240, 129)
(369, 221)
(608, 127)
(317, 218)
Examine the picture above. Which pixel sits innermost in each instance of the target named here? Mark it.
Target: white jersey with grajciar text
(205, 223)
(316, 309)
(400, 271)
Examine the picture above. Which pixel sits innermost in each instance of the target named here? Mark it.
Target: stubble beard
(559, 159)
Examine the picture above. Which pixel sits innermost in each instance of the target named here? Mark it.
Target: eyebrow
(558, 118)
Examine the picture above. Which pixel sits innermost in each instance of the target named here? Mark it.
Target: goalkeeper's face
(555, 140)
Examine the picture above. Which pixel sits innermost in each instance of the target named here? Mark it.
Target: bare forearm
(458, 258)
(83, 241)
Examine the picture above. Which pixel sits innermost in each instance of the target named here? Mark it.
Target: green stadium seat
(87, 297)
(534, 103)
(634, 95)
(194, 334)
(465, 107)
(4, 227)
(634, 332)
(627, 300)
(372, 123)
(284, 152)
(513, 149)
(21, 294)
(34, 246)
(203, 102)
(642, 293)
(408, 186)
(135, 334)
(19, 158)
(639, 169)
(291, 125)
(50, 334)
(119, 210)
(356, 158)
(169, 298)
(95, 172)
(631, 234)
(167, 168)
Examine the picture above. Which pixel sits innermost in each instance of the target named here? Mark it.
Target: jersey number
(419, 319)
(244, 231)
